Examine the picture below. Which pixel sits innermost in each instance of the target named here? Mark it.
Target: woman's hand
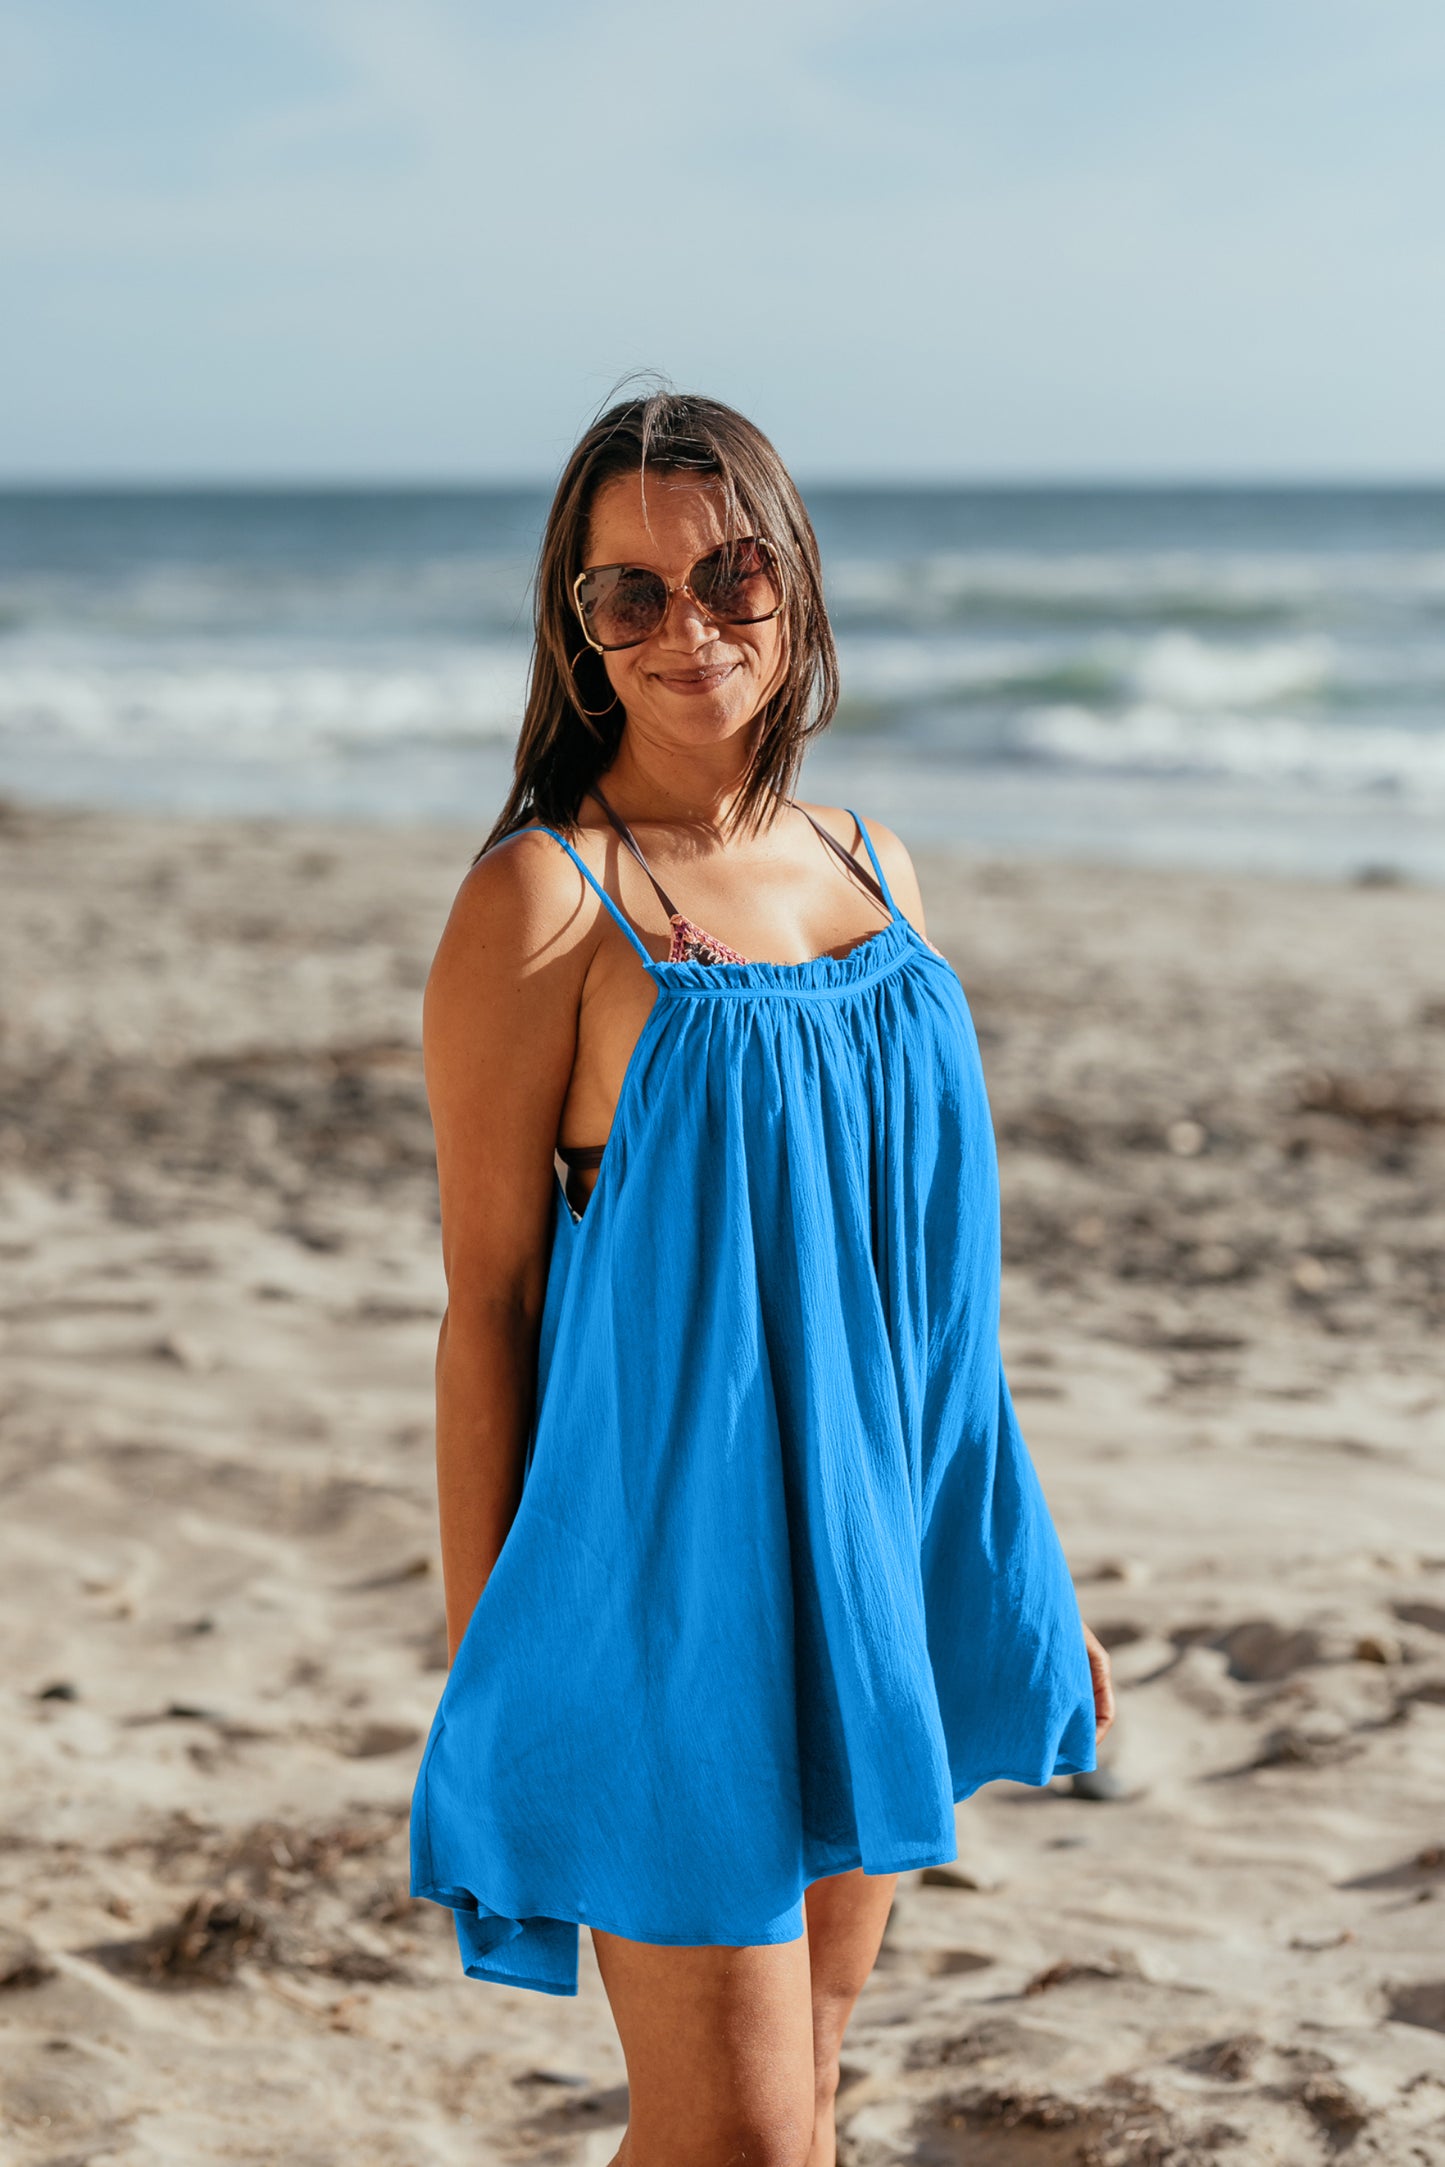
(1102, 1671)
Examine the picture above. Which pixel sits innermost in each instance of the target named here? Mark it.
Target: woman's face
(695, 681)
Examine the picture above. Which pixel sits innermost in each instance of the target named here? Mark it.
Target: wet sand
(1220, 1106)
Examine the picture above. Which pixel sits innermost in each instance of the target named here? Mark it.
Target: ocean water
(1232, 677)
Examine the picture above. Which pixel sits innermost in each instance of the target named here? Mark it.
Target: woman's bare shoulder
(521, 905)
(892, 853)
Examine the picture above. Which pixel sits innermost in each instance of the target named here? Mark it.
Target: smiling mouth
(696, 680)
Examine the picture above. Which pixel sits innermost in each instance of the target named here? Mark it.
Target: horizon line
(199, 482)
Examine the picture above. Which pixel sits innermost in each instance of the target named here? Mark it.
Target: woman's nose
(686, 622)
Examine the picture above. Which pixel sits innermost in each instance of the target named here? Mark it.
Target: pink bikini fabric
(690, 944)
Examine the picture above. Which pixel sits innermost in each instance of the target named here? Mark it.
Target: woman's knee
(718, 2044)
(832, 2008)
(831, 2011)
(774, 2143)
(741, 2140)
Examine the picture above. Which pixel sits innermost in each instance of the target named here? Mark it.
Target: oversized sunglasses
(621, 605)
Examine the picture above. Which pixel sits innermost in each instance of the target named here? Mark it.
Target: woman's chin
(706, 715)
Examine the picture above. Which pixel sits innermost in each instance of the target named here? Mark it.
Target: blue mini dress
(782, 1585)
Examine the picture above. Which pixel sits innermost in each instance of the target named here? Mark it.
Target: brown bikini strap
(631, 841)
(846, 855)
(665, 899)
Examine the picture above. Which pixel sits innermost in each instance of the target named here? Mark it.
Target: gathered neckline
(865, 960)
(735, 977)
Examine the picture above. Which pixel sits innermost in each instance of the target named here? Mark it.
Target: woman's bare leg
(719, 2050)
(846, 1916)
(732, 2054)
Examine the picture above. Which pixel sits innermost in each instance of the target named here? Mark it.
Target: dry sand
(1221, 1112)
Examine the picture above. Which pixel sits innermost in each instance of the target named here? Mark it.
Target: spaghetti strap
(882, 877)
(632, 844)
(858, 871)
(589, 876)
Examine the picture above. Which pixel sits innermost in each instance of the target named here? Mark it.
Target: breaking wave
(244, 707)
(1294, 643)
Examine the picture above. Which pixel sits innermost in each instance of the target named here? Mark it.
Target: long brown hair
(563, 748)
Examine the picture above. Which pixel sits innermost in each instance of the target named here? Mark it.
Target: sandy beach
(1220, 1105)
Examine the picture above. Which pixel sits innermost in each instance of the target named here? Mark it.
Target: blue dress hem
(916, 1859)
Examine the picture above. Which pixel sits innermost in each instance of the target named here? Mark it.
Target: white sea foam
(908, 668)
(1177, 668)
(1156, 739)
(1163, 702)
(240, 705)
(1180, 669)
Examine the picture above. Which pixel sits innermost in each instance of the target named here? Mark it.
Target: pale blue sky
(397, 238)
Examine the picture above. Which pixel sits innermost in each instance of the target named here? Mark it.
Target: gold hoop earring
(593, 714)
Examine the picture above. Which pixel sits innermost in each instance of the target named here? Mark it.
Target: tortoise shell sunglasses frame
(597, 586)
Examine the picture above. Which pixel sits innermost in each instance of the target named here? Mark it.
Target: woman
(748, 1574)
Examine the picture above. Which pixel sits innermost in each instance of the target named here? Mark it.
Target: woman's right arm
(499, 1034)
